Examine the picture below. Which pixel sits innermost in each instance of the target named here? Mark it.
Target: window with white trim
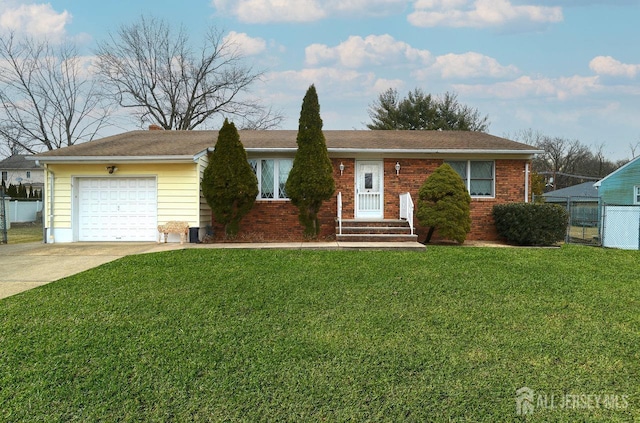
(478, 176)
(4, 175)
(636, 197)
(272, 177)
(28, 174)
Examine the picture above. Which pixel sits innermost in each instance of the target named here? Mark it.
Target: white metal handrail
(406, 209)
(340, 212)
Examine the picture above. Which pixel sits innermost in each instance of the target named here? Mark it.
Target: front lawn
(25, 232)
(270, 335)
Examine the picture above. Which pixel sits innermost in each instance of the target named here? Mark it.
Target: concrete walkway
(26, 266)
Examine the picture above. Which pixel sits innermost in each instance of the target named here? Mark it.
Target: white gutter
(189, 158)
(103, 159)
(526, 182)
(51, 203)
(399, 151)
(431, 151)
(200, 154)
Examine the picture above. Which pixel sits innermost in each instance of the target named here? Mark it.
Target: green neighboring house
(619, 194)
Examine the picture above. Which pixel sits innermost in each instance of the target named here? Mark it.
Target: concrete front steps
(375, 231)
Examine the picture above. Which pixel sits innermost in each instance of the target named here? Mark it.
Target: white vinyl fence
(24, 210)
(621, 227)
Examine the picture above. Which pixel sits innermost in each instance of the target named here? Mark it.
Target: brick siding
(272, 221)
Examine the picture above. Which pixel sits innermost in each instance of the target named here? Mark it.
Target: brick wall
(278, 220)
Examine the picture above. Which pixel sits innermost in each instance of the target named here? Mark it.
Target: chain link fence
(584, 218)
(592, 222)
(4, 218)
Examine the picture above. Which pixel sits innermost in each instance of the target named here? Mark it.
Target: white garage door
(117, 209)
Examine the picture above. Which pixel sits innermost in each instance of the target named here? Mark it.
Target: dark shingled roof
(18, 161)
(189, 143)
(581, 192)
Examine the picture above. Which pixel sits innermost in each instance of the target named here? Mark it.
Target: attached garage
(120, 188)
(117, 209)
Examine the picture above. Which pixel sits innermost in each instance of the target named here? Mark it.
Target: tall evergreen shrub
(310, 181)
(229, 184)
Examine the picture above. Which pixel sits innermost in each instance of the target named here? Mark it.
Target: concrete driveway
(26, 266)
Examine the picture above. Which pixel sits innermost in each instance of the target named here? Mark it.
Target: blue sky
(567, 68)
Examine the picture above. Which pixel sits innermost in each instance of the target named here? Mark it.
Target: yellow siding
(176, 185)
(205, 210)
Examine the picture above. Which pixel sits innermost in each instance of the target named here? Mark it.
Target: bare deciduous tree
(634, 149)
(47, 99)
(153, 69)
(566, 162)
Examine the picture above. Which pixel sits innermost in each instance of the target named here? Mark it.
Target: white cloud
(38, 20)
(371, 50)
(467, 65)
(607, 65)
(526, 87)
(368, 7)
(330, 77)
(479, 13)
(261, 11)
(256, 11)
(246, 45)
(382, 85)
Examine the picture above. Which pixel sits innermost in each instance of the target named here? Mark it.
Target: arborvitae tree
(12, 191)
(229, 184)
(22, 191)
(310, 181)
(444, 204)
(30, 195)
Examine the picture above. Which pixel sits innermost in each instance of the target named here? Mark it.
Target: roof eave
(121, 159)
(400, 150)
(270, 150)
(628, 164)
(431, 151)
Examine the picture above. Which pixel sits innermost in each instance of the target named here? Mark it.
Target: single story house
(619, 194)
(120, 187)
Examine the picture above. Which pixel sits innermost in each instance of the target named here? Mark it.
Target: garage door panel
(117, 209)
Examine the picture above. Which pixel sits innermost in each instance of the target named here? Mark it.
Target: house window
(636, 197)
(4, 175)
(272, 177)
(28, 174)
(478, 176)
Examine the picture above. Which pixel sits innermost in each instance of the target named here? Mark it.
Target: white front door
(117, 209)
(369, 189)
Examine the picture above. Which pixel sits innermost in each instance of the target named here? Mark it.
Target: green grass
(271, 335)
(24, 232)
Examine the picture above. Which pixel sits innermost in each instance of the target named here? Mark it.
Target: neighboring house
(17, 169)
(159, 172)
(581, 201)
(619, 194)
(622, 186)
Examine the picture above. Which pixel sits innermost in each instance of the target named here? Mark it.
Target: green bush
(229, 184)
(444, 204)
(310, 181)
(531, 224)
